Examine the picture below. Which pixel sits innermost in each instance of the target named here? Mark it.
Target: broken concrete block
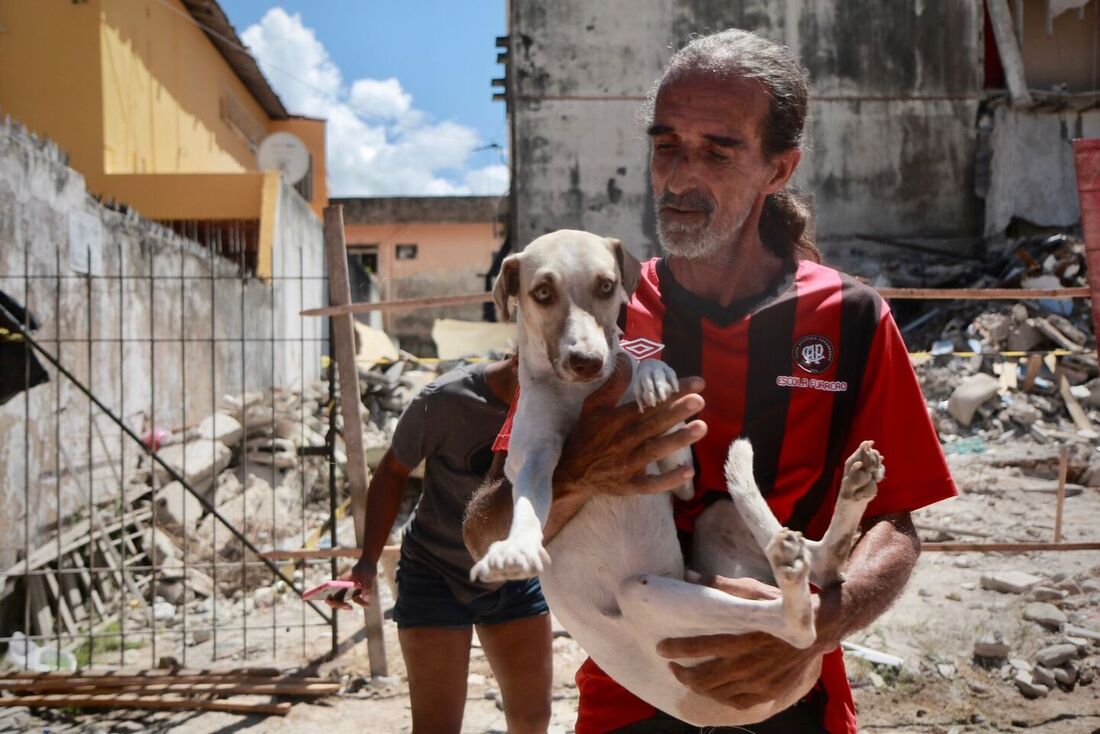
(1010, 582)
(1066, 676)
(1045, 614)
(198, 462)
(971, 393)
(1045, 593)
(1055, 655)
(991, 647)
(1029, 687)
(220, 427)
(1023, 412)
(176, 508)
(1043, 676)
(1024, 337)
(277, 452)
(1076, 631)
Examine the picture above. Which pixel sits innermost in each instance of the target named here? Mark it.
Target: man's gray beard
(679, 240)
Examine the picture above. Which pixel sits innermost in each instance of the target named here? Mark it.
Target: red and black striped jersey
(806, 371)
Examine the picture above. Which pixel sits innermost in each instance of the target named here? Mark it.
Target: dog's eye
(605, 288)
(543, 294)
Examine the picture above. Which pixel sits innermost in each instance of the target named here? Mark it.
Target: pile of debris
(993, 372)
(1063, 610)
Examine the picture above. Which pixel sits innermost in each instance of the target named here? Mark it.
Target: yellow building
(160, 107)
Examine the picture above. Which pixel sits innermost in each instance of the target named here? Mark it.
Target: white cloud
(488, 180)
(378, 143)
(375, 98)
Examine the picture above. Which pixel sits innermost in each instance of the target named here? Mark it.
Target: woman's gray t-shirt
(451, 425)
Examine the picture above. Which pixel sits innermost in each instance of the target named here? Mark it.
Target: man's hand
(364, 572)
(747, 669)
(612, 444)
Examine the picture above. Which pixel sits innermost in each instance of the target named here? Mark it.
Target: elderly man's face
(707, 166)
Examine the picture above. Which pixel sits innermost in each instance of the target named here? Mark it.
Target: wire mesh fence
(166, 420)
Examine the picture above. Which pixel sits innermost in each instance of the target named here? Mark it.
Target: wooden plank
(1076, 412)
(1063, 468)
(151, 674)
(68, 576)
(131, 701)
(41, 616)
(216, 687)
(1008, 48)
(982, 294)
(312, 554)
(1034, 364)
(63, 611)
(914, 294)
(351, 409)
(86, 578)
(1007, 547)
(399, 304)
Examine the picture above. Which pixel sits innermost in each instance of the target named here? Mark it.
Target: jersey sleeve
(892, 412)
(417, 433)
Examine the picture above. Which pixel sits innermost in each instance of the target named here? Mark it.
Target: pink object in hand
(330, 587)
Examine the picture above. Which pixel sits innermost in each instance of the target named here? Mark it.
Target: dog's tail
(745, 494)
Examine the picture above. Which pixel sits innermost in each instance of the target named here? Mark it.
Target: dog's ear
(629, 267)
(506, 286)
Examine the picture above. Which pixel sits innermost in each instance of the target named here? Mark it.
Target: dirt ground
(939, 689)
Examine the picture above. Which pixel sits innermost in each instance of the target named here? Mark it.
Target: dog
(614, 575)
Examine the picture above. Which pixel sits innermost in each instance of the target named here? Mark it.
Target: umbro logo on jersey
(641, 347)
(813, 353)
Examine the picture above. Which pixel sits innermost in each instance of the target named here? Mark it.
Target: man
(798, 358)
(451, 426)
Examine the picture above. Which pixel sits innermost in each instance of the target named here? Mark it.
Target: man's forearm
(878, 570)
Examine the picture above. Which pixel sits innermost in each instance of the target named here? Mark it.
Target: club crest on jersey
(641, 348)
(813, 353)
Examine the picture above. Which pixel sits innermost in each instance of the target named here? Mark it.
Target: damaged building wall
(159, 351)
(895, 86)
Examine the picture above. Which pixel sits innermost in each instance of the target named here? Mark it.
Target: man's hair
(786, 222)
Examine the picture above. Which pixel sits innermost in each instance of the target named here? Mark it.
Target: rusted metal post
(1063, 470)
(1086, 155)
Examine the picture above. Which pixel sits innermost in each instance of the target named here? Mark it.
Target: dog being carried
(614, 575)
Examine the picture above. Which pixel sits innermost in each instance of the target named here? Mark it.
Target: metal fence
(180, 431)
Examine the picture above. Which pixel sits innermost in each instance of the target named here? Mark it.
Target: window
(406, 252)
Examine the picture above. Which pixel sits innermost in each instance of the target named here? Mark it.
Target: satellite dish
(284, 152)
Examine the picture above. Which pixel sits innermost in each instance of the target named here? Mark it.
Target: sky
(405, 87)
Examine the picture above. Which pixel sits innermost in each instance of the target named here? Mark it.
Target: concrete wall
(159, 331)
(895, 91)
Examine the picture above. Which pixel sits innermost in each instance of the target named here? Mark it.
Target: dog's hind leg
(682, 609)
(862, 471)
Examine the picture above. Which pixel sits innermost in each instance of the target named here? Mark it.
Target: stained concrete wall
(160, 330)
(895, 88)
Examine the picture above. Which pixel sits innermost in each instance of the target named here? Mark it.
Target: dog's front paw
(654, 383)
(511, 559)
(861, 473)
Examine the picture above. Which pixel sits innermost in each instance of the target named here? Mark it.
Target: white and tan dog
(614, 575)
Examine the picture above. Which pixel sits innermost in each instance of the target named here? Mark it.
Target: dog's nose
(584, 364)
